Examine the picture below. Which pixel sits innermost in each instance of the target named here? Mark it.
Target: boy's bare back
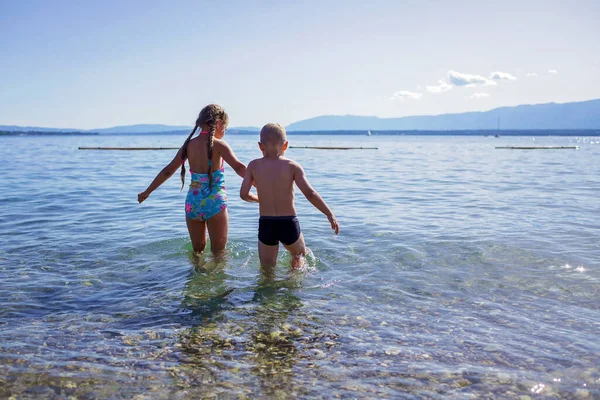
(274, 177)
(274, 180)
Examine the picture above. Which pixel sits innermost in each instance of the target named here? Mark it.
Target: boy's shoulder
(282, 160)
(254, 162)
(286, 160)
(293, 163)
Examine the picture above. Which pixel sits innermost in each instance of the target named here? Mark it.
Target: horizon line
(305, 119)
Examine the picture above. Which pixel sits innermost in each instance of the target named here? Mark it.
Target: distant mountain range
(140, 128)
(577, 115)
(144, 128)
(552, 116)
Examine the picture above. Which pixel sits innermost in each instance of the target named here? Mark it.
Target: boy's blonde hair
(273, 134)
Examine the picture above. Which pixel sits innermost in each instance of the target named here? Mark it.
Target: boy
(274, 177)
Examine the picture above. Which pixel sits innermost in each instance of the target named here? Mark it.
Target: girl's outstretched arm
(245, 193)
(314, 197)
(229, 156)
(162, 176)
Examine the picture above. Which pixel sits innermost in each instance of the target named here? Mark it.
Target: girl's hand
(334, 223)
(143, 196)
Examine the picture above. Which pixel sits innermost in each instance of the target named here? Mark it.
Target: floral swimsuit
(202, 202)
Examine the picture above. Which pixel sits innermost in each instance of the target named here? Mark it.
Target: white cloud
(532, 74)
(405, 94)
(502, 76)
(552, 71)
(479, 95)
(440, 88)
(460, 79)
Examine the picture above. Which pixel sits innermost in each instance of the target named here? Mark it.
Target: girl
(206, 201)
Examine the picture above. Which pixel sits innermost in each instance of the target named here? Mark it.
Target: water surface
(460, 271)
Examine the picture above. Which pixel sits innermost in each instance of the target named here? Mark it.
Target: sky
(85, 65)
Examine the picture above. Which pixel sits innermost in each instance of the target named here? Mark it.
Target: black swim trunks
(272, 230)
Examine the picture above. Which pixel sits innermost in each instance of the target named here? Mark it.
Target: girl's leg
(267, 254)
(218, 227)
(197, 230)
(297, 251)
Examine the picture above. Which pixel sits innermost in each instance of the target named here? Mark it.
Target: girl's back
(197, 154)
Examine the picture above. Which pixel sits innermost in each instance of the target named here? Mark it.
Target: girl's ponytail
(184, 155)
(209, 144)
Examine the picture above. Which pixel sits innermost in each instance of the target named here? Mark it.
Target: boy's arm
(162, 176)
(229, 156)
(247, 185)
(314, 197)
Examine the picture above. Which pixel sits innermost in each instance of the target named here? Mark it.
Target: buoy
(333, 148)
(538, 147)
(129, 148)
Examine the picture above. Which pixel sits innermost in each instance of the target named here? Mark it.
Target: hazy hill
(15, 128)
(577, 115)
(144, 128)
(139, 128)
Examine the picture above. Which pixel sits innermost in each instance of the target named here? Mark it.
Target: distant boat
(498, 131)
(368, 133)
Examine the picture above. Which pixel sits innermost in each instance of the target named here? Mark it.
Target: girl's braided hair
(208, 116)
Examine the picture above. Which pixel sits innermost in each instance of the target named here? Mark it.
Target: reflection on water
(460, 271)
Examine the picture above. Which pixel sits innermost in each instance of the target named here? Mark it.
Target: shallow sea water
(460, 271)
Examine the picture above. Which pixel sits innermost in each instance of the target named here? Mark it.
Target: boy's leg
(218, 226)
(297, 251)
(267, 254)
(197, 230)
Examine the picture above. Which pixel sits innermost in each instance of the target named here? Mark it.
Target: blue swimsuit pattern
(202, 202)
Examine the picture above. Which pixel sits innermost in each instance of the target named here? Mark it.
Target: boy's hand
(334, 223)
(143, 196)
